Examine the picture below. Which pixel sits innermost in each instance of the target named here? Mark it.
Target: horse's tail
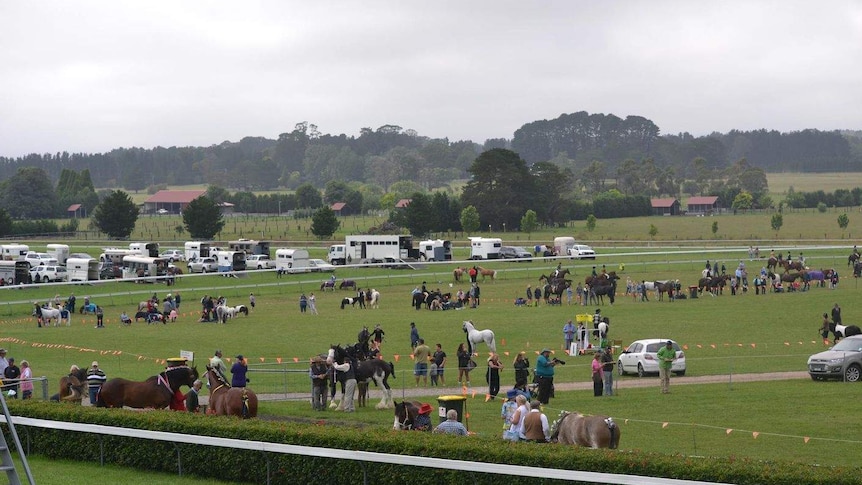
(244, 398)
(555, 427)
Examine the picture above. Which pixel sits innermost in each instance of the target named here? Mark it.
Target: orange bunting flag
(503, 342)
(163, 361)
(278, 359)
(805, 439)
(712, 345)
(487, 397)
(295, 360)
(787, 343)
(411, 356)
(665, 424)
(739, 345)
(537, 352)
(397, 357)
(506, 353)
(753, 346)
(464, 390)
(755, 434)
(262, 359)
(466, 415)
(699, 346)
(227, 359)
(474, 395)
(729, 430)
(685, 347)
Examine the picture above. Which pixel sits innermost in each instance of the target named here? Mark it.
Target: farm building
(402, 203)
(665, 207)
(340, 208)
(76, 210)
(170, 201)
(703, 205)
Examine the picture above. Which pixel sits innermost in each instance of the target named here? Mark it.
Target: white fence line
(367, 456)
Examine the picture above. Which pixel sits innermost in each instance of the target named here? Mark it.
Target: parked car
(640, 358)
(38, 259)
(582, 251)
(319, 265)
(843, 361)
(515, 252)
(173, 255)
(47, 274)
(107, 271)
(259, 261)
(204, 265)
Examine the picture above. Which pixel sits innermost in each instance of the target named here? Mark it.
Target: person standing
(597, 374)
(11, 374)
(493, 376)
(177, 301)
(568, 335)
(414, 335)
(312, 304)
(439, 359)
(644, 291)
(71, 302)
(477, 294)
(597, 319)
(303, 303)
(537, 295)
(420, 358)
(26, 380)
(377, 334)
(95, 378)
(536, 428)
(192, 397)
(3, 362)
(319, 375)
(239, 371)
(473, 273)
(529, 295)
(463, 366)
(608, 371)
(347, 375)
(218, 364)
(100, 315)
(666, 355)
(516, 431)
(522, 369)
(569, 294)
(251, 300)
(836, 314)
(545, 375)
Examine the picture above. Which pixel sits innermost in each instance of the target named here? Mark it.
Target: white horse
(223, 313)
(475, 337)
(49, 313)
(375, 299)
(603, 330)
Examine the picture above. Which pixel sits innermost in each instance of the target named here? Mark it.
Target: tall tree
(501, 187)
(324, 223)
(470, 220)
(418, 217)
(554, 184)
(203, 218)
(29, 194)
(5, 223)
(308, 197)
(116, 215)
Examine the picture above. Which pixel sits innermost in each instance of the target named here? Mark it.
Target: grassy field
(779, 183)
(722, 336)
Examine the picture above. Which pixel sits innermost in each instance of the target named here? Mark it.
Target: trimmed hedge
(253, 466)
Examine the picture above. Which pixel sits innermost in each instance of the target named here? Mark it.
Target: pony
(374, 302)
(156, 392)
(458, 273)
(772, 263)
(72, 386)
(839, 331)
(349, 301)
(714, 284)
(229, 401)
(223, 312)
(579, 430)
(236, 310)
(668, 287)
(48, 314)
(487, 272)
(327, 285)
(347, 284)
(376, 370)
(475, 337)
(405, 414)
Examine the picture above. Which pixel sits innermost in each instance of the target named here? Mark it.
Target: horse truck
(373, 249)
(485, 247)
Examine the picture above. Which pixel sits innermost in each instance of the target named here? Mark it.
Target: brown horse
(592, 431)
(669, 287)
(851, 260)
(772, 264)
(72, 386)
(229, 401)
(601, 280)
(458, 273)
(487, 272)
(792, 265)
(714, 285)
(156, 392)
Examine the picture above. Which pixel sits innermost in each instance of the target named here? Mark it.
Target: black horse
(376, 370)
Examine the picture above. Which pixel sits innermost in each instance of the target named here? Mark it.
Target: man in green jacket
(666, 355)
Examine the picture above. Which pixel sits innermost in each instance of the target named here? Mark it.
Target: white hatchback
(640, 358)
(582, 251)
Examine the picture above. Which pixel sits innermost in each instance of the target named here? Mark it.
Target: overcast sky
(95, 75)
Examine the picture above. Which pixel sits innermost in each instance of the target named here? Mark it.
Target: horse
(236, 310)
(48, 314)
(374, 302)
(792, 265)
(475, 336)
(229, 401)
(458, 273)
(592, 431)
(327, 285)
(851, 260)
(223, 312)
(345, 284)
(377, 370)
(156, 392)
(602, 279)
(597, 293)
(668, 287)
(405, 414)
(72, 386)
(487, 272)
(714, 284)
(349, 301)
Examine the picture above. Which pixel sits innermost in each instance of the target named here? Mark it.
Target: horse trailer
(147, 250)
(370, 249)
(436, 250)
(291, 260)
(15, 272)
(249, 246)
(563, 244)
(14, 252)
(60, 252)
(196, 249)
(230, 261)
(485, 247)
(115, 255)
(144, 266)
(81, 269)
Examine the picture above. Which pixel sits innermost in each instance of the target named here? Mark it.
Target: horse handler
(545, 375)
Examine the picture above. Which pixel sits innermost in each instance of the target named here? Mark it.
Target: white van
(291, 260)
(485, 247)
(60, 252)
(81, 269)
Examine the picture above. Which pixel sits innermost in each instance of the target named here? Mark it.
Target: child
(508, 410)
(251, 300)
(432, 370)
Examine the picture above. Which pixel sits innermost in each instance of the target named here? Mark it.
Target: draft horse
(591, 431)
(406, 413)
(72, 386)
(376, 370)
(155, 392)
(229, 401)
(476, 337)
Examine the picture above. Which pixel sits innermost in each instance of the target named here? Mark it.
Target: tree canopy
(29, 194)
(116, 215)
(202, 218)
(324, 223)
(501, 188)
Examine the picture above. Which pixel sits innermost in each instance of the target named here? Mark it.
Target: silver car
(640, 358)
(843, 361)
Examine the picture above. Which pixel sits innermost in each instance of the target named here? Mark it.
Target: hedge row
(253, 466)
